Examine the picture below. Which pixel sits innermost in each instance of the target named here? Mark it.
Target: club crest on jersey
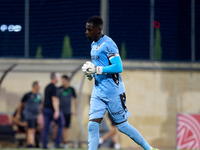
(97, 48)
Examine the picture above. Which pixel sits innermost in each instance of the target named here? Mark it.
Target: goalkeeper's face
(91, 31)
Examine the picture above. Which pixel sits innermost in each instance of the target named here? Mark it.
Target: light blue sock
(93, 131)
(134, 134)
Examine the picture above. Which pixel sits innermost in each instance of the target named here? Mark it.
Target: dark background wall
(51, 21)
(12, 43)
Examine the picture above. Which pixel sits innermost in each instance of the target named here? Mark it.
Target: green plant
(39, 52)
(67, 51)
(123, 50)
(157, 46)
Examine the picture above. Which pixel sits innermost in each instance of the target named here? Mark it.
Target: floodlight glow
(10, 28)
(3, 28)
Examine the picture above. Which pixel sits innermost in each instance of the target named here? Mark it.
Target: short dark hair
(35, 83)
(53, 75)
(96, 20)
(65, 77)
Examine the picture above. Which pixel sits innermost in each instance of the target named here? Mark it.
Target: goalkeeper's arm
(115, 67)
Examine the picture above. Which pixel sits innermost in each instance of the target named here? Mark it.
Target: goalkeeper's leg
(134, 134)
(97, 112)
(119, 113)
(93, 132)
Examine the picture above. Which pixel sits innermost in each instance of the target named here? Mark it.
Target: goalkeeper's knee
(93, 126)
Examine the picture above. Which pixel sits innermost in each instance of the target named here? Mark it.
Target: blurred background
(158, 42)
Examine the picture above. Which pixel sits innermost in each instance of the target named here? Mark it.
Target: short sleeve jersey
(65, 96)
(32, 102)
(106, 85)
(49, 92)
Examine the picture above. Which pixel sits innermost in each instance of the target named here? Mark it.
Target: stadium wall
(154, 96)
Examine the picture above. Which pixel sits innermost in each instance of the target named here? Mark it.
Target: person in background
(21, 124)
(51, 111)
(65, 94)
(31, 102)
(112, 133)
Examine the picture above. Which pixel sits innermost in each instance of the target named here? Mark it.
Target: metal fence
(143, 30)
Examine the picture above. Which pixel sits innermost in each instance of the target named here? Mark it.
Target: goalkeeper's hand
(89, 68)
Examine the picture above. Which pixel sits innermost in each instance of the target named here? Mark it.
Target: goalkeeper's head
(94, 27)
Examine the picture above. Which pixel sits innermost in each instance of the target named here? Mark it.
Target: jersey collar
(98, 40)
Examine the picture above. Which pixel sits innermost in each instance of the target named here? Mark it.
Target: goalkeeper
(108, 91)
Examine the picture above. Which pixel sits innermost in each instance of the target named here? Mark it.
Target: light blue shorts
(116, 106)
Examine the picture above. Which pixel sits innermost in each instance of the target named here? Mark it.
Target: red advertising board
(188, 131)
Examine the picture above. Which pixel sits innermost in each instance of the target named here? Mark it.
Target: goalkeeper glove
(89, 68)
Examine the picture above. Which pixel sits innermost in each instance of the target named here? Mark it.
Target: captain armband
(113, 55)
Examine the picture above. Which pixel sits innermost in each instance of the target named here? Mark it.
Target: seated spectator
(31, 102)
(21, 124)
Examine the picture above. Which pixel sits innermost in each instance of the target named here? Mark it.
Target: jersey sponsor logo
(117, 113)
(65, 93)
(95, 57)
(36, 100)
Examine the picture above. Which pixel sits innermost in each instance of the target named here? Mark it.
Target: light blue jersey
(108, 91)
(106, 85)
